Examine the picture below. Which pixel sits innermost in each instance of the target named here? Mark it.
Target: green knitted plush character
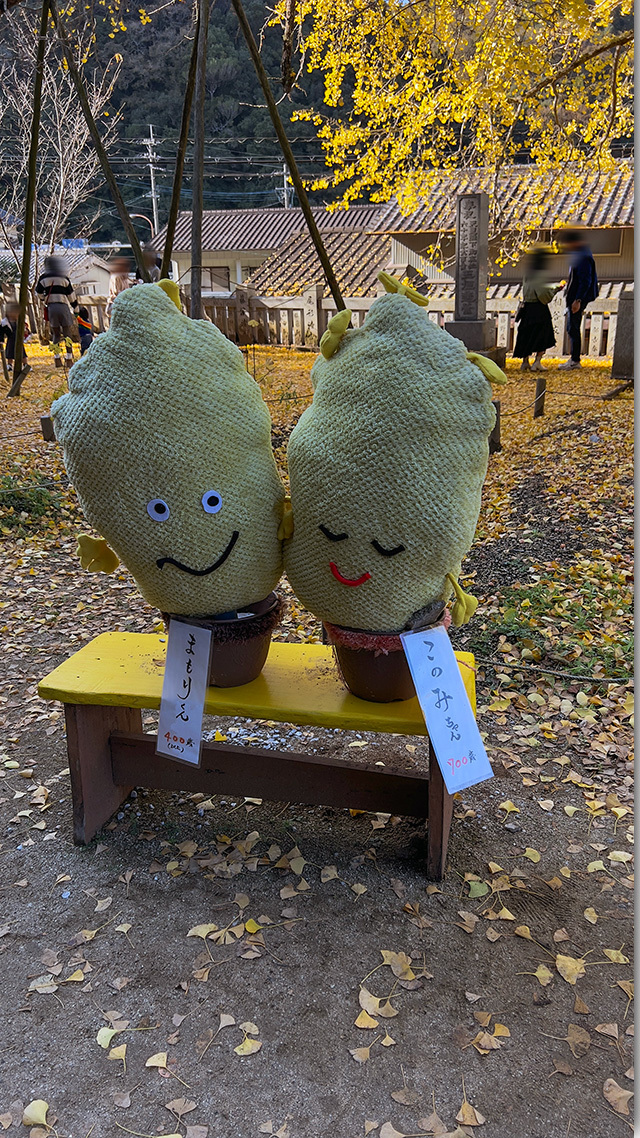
(167, 442)
(386, 468)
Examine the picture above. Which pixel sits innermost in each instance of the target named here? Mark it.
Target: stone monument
(470, 323)
(622, 367)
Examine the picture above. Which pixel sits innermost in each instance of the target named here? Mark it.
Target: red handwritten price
(455, 764)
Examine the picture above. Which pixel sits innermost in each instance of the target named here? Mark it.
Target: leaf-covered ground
(202, 972)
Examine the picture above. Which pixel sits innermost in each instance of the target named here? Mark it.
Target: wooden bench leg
(440, 813)
(95, 795)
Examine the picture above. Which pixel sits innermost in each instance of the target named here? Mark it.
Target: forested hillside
(243, 165)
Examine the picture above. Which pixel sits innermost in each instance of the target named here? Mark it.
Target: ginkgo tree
(419, 86)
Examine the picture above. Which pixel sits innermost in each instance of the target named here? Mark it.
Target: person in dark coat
(60, 305)
(535, 327)
(582, 288)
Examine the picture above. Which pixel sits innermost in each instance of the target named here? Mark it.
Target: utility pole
(152, 175)
(285, 184)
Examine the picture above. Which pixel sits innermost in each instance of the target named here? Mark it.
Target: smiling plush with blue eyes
(174, 468)
(386, 469)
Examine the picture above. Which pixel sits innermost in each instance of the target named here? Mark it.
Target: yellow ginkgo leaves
(157, 1060)
(375, 1005)
(35, 1114)
(570, 968)
(249, 1046)
(617, 1096)
(616, 955)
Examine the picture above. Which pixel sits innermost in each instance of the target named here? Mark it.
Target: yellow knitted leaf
(285, 529)
(175, 471)
(336, 329)
(96, 556)
(386, 468)
(172, 291)
(489, 368)
(392, 284)
(464, 606)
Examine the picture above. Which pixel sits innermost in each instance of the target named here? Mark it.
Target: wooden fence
(299, 321)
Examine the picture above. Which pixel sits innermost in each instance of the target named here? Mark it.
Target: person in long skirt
(535, 327)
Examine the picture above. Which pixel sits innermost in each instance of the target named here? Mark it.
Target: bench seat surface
(299, 684)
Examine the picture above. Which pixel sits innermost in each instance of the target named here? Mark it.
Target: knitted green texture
(392, 453)
(161, 409)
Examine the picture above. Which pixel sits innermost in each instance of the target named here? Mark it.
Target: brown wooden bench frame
(109, 755)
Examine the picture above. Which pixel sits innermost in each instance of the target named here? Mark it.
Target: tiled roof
(540, 199)
(356, 259)
(262, 229)
(546, 199)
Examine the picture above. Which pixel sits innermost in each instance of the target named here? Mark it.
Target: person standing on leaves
(60, 305)
(8, 329)
(85, 329)
(582, 288)
(535, 327)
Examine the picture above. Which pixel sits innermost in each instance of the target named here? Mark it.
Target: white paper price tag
(445, 705)
(186, 676)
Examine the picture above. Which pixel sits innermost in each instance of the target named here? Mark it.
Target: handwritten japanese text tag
(445, 705)
(186, 676)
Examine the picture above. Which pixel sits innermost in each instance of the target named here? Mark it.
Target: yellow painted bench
(105, 684)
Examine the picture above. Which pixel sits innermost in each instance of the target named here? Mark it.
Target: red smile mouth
(348, 580)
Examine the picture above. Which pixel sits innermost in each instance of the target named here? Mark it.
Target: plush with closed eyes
(386, 469)
(167, 442)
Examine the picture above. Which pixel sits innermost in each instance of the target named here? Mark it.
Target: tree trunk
(31, 195)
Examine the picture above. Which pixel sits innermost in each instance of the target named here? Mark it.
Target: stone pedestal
(477, 335)
(623, 361)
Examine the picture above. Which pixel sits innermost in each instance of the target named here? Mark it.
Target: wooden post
(48, 432)
(541, 390)
(288, 153)
(198, 161)
(242, 316)
(94, 794)
(312, 300)
(494, 438)
(5, 369)
(183, 139)
(30, 200)
(97, 143)
(440, 814)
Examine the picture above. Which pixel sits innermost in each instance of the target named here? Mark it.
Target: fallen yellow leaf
(570, 968)
(35, 1114)
(248, 1047)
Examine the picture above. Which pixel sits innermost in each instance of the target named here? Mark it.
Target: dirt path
(539, 862)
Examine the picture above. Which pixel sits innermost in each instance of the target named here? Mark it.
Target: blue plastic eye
(211, 502)
(158, 509)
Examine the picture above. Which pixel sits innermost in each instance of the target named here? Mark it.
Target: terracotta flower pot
(373, 665)
(378, 677)
(240, 644)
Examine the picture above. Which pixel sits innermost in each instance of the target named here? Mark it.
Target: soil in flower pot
(373, 665)
(240, 641)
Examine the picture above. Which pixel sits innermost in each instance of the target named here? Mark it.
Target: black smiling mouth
(162, 561)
